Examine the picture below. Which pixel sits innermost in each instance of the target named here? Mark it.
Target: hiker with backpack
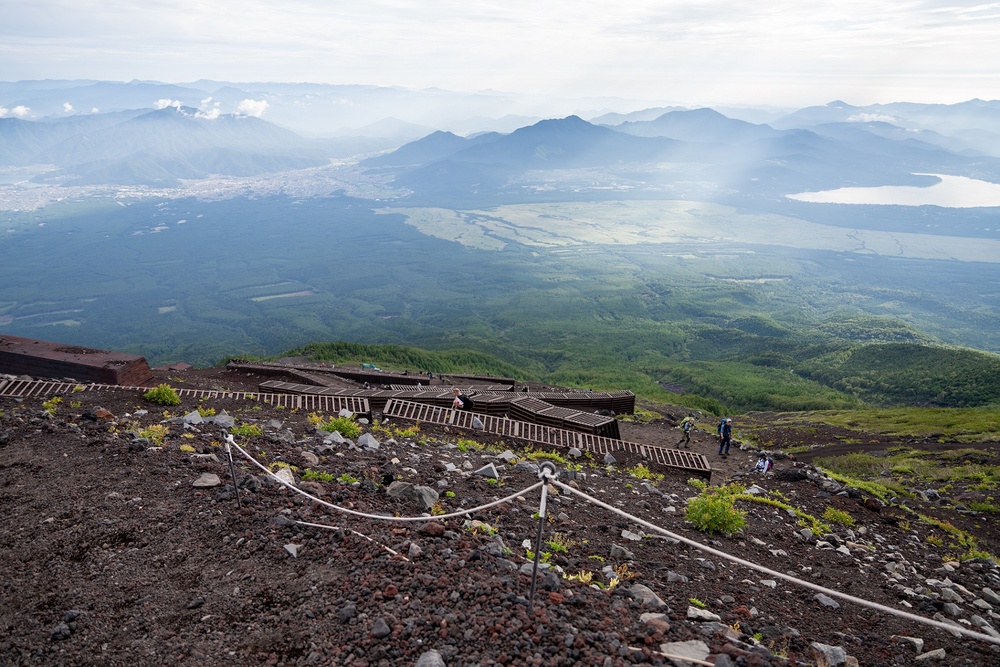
(686, 427)
(725, 436)
(764, 464)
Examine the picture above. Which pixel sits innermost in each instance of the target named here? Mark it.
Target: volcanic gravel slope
(111, 556)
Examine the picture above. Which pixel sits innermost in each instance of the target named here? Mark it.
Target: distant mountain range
(156, 147)
(748, 157)
(214, 128)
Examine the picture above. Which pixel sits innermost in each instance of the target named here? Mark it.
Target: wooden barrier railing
(686, 460)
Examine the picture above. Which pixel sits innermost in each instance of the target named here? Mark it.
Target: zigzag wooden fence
(691, 462)
(317, 402)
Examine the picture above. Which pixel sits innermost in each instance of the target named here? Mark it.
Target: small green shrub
(155, 433)
(697, 603)
(316, 476)
(560, 543)
(51, 404)
(347, 479)
(987, 507)
(246, 430)
(713, 511)
(538, 454)
(642, 471)
(162, 394)
(466, 445)
(834, 515)
(345, 426)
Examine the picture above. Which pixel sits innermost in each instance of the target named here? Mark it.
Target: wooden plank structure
(685, 460)
(375, 378)
(39, 358)
(317, 402)
(515, 405)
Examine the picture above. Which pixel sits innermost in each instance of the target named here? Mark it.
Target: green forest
(724, 327)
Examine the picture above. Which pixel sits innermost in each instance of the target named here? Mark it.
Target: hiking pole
(232, 468)
(546, 471)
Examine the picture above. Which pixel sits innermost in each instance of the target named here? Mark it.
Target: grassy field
(554, 225)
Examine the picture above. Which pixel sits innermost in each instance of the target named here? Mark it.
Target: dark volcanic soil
(111, 556)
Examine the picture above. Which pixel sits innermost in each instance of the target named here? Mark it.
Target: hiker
(725, 437)
(764, 464)
(461, 402)
(686, 426)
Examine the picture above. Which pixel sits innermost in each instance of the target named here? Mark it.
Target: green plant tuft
(163, 394)
(713, 511)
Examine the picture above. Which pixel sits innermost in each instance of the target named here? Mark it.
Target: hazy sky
(781, 52)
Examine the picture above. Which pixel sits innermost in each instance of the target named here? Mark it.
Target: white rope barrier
(778, 575)
(353, 532)
(379, 517)
(547, 476)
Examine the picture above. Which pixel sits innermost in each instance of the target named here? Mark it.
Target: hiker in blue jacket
(725, 437)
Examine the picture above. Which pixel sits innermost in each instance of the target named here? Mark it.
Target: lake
(948, 192)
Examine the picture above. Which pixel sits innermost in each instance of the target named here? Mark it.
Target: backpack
(721, 425)
(687, 425)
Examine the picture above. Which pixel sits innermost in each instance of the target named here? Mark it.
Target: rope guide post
(232, 468)
(546, 472)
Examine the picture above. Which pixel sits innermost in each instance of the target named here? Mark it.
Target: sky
(780, 52)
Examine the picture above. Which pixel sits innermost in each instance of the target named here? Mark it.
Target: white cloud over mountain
(255, 108)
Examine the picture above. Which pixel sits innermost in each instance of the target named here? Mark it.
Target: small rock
(488, 471)
(60, 632)
(347, 612)
(694, 649)
(381, 629)
(703, 615)
(828, 656)
(286, 476)
(990, 596)
(646, 597)
(430, 659)
(915, 642)
(432, 529)
(207, 480)
(368, 442)
(826, 601)
(621, 553)
(293, 549)
(931, 656)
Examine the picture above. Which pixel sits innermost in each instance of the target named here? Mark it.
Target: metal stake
(232, 468)
(546, 471)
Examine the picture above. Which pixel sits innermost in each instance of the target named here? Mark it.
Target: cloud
(95, 110)
(255, 108)
(67, 107)
(3, 111)
(208, 110)
(20, 111)
(163, 103)
(871, 118)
